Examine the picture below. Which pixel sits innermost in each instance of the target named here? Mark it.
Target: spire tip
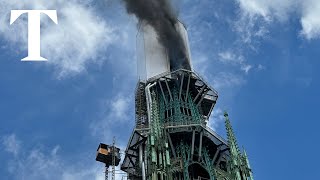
(225, 114)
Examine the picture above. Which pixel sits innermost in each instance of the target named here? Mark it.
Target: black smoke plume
(161, 16)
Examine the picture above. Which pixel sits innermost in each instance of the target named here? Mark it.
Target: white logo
(34, 30)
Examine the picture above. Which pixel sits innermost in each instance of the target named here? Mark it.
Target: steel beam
(212, 106)
(181, 85)
(171, 146)
(164, 97)
(188, 87)
(131, 161)
(221, 156)
(200, 92)
(193, 138)
(136, 144)
(140, 155)
(216, 154)
(165, 80)
(132, 155)
(200, 145)
(202, 97)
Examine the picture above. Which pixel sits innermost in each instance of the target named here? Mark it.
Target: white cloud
(119, 107)
(11, 144)
(262, 12)
(268, 9)
(246, 68)
(200, 63)
(229, 57)
(38, 164)
(76, 41)
(115, 112)
(310, 19)
(254, 7)
(227, 80)
(261, 67)
(251, 27)
(216, 118)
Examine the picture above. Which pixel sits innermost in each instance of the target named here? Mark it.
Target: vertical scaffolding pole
(200, 146)
(106, 173)
(113, 158)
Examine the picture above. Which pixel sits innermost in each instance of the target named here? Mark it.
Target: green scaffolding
(170, 110)
(177, 111)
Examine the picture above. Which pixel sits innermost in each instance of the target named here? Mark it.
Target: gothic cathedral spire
(239, 162)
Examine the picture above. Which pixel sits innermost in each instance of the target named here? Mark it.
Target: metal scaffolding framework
(171, 139)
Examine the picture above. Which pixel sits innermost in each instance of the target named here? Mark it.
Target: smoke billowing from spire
(161, 16)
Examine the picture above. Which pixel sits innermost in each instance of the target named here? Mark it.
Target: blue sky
(262, 56)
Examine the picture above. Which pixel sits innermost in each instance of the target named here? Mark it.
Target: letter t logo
(34, 30)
